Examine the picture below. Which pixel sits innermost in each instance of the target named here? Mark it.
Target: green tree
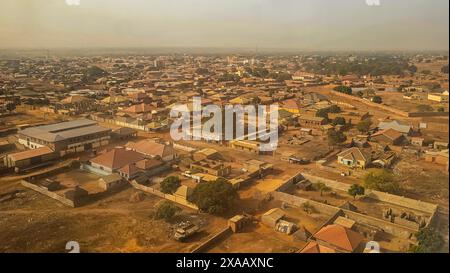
(444, 69)
(10, 106)
(429, 241)
(441, 109)
(339, 121)
(377, 99)
(321, 187)
(170, 184)
(213, 197)
(356, 190)
(336, 137)
(334, 109)
(343, 89)
(322, 113)
(166, 210)
(381, 180)
(364, 125)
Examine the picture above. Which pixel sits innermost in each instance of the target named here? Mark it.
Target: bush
(334, 109)
(343, 89)
(170, 184)
(166, 210)
(339, 121)
(336, 137)
(381, 180)
(356, 190)
(429, 241)
(364, 126)
(321, 187)
(213, 197)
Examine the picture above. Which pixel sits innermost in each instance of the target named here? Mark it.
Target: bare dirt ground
(34, 223)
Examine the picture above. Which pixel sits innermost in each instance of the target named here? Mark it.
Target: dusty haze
(281, 24)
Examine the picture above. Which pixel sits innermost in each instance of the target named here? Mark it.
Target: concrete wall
(380, 196)
(289, 182)
(221, 235)
(297, 201)
(388, 227)
(48, 193)
(390, 109)
(170, 197)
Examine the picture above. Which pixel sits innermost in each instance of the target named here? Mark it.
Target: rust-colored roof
(30, 153)
(314, 247)
(148, 164)
(117, 158)
(150, 147)
(290, 104)
(140, 108)
(389, 133)
(340, 237)
(129, 169)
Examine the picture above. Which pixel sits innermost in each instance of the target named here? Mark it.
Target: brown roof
(30, 153)
(354, 153)
(290, 104)
(340, 237)
(140, 108)
(129, 169)
(117, 158)
(314, 247)
(147, 164)
(150, 147)
(389, 133)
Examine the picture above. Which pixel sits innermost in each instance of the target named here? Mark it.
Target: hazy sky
(274, 24)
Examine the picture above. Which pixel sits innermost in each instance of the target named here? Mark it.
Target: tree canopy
(356, 190)
(213, 197)
(166, 210)
(170, 184)
(381, 180)
(336, 137)
(364, 125)
(343, 89)
(429, 241)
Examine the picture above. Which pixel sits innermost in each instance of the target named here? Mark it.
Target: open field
(34, 223)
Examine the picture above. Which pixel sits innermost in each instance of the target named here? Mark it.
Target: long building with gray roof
(66, 137)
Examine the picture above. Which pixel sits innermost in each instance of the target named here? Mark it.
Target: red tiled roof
(340, 237)
(314, 247)
(117, 158)
(140, 108)
(149, 147)
(147, 164)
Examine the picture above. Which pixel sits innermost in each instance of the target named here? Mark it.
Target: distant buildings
(439, 97)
